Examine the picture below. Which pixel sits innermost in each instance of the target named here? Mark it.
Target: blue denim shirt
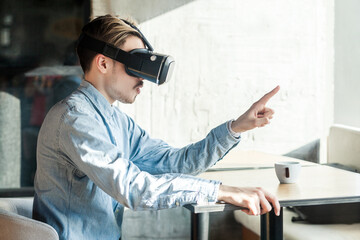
(92, 160)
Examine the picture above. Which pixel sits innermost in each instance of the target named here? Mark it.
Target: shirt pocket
(78, 174)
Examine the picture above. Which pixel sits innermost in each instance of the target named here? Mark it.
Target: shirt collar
(96, 98)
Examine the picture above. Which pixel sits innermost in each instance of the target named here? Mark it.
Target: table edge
(220, 207)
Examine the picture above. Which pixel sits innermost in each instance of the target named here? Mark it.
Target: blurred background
(228, 54)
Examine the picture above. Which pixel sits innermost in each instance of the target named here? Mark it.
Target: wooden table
(243, 160)
(317, 184)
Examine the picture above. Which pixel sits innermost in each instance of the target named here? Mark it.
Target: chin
(127, 100)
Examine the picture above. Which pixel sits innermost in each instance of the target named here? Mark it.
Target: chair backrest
(344, 146)
(16, 222)
(16, 227)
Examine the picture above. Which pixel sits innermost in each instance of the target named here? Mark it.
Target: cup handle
(287, 172)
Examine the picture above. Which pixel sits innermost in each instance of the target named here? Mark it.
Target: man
(93, 159)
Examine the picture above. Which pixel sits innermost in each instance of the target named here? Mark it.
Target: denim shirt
(92, 160)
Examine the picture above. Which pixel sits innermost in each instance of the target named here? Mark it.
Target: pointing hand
(258, 115)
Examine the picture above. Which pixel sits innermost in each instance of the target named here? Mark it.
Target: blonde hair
(109, 29)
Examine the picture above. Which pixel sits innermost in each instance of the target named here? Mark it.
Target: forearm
(192, 159)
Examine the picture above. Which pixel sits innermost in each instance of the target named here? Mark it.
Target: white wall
(347, 62)
(228, 54)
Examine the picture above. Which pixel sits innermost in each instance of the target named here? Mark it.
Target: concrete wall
(347, 62)
(228, 54)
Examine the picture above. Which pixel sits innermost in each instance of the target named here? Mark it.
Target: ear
(102, 63)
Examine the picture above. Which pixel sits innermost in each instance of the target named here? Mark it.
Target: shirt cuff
(234, 134)
(209, 194)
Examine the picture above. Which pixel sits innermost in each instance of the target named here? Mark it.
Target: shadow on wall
(309, 152)
(148, 9)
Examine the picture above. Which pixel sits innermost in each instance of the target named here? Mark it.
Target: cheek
(119, 74)
(123, 81)
(119, 69)
(121, 78)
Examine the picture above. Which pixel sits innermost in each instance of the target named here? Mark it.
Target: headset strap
(146, 42)
(130, 60)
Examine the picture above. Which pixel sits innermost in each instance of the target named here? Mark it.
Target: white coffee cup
(287, 172)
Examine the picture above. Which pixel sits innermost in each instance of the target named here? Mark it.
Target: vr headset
(143, 63)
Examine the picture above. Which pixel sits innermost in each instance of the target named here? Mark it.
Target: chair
(343, 146)
(342, 151)
(16, 222)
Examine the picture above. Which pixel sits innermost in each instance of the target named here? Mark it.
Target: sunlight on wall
(228, 54)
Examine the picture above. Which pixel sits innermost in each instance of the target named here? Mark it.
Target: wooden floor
(223, 226)
(247, 234)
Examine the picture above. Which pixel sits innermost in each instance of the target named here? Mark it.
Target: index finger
(269, 95)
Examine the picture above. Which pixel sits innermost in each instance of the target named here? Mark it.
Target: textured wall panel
(9, 141)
